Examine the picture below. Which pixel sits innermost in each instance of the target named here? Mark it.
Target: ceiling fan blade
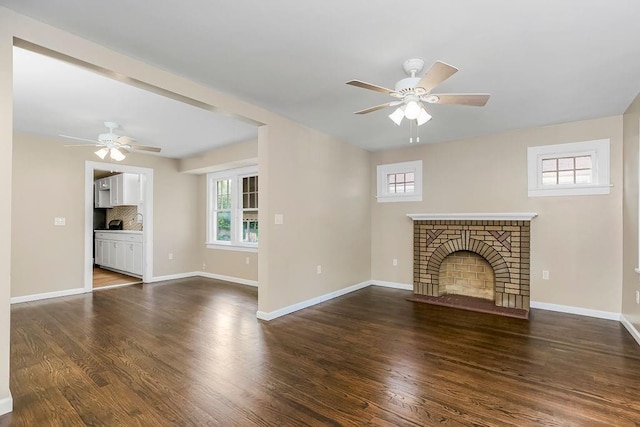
(369, 86)
(126, 140)
(438, 73)
(80, 139)
(378, 107)
(81, 145)
(143, 148)
(472, 99)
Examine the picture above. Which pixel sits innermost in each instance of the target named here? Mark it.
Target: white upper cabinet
(118, 190)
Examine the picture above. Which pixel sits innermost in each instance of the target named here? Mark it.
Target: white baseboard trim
(262, 315)
(6, 404)
(47, 295)
(632, 330)
(576, 310)
(231, 279)
(394, 285)
(173, 277)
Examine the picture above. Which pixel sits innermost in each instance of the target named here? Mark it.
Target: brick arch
(499, 265)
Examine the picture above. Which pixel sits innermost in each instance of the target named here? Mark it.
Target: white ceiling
(52, 97)
(543, 62)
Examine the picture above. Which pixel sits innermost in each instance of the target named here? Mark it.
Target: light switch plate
(279, 219)
(59, 221)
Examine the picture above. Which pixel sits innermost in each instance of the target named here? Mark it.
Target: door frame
(147, 212)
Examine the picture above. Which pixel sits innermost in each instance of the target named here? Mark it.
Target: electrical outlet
(319, 269)
(637, 297)
(246, 260)
(204, 267)
(395, 262)
(170, 255)
(545, 274)
(278, 219)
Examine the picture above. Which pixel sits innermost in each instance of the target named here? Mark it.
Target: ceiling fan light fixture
(102, 153)
(423, 117)
(412, 110)
(117, 155)
(397, 116)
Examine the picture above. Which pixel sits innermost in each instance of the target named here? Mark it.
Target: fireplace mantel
(513, 216)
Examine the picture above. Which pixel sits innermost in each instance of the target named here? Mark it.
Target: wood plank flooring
(190, 352)
(103, 277)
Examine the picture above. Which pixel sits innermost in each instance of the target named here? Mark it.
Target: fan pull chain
(413, 124)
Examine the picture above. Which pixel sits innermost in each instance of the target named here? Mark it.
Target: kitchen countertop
(118, 231)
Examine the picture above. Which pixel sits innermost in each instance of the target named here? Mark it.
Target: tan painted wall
(222, 262)
(631, 282)
(6, 130)
(321, 186)
(578, 239)
(48, 181)
(227, 157)
(343, 265)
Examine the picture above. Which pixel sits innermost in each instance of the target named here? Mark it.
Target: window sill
(571, 191)
(388, 199)
(230, 247)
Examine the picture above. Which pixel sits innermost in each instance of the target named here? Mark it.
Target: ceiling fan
(412, 92)
(112, 144)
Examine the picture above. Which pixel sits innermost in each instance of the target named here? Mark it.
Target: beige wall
(6, 130)
(221, 262)
(48, 182)
(631, 283)
(321, 187)
(227, 157)
(335, 251)
(577, 238)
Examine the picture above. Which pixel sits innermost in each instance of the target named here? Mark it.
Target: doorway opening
(118, 234)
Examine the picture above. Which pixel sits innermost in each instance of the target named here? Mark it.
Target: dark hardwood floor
(191, 352)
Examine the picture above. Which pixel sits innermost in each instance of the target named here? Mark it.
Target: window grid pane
(401, 182)
(249, 192)
(249, 209)
(250, 226)
(567, 170)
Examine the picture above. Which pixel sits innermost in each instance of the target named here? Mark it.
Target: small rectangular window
(567, 170)
(400, 182)
(576, 168)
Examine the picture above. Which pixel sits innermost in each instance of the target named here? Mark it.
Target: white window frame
(598, 149)
(384, 196)
(236, 176)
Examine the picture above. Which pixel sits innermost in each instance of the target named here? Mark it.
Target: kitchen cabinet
(120, 251)
(118, 190)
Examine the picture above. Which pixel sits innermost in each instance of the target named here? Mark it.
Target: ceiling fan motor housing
(407, 85)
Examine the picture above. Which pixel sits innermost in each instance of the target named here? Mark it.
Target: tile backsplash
(128, 216)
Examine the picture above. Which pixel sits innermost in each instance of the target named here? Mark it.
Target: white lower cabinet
(119, 251)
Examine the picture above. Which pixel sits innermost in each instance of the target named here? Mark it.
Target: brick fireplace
(455, 253)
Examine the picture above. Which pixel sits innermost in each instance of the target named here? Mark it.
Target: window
(232, 209)
(400, 182)
(577, 168)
